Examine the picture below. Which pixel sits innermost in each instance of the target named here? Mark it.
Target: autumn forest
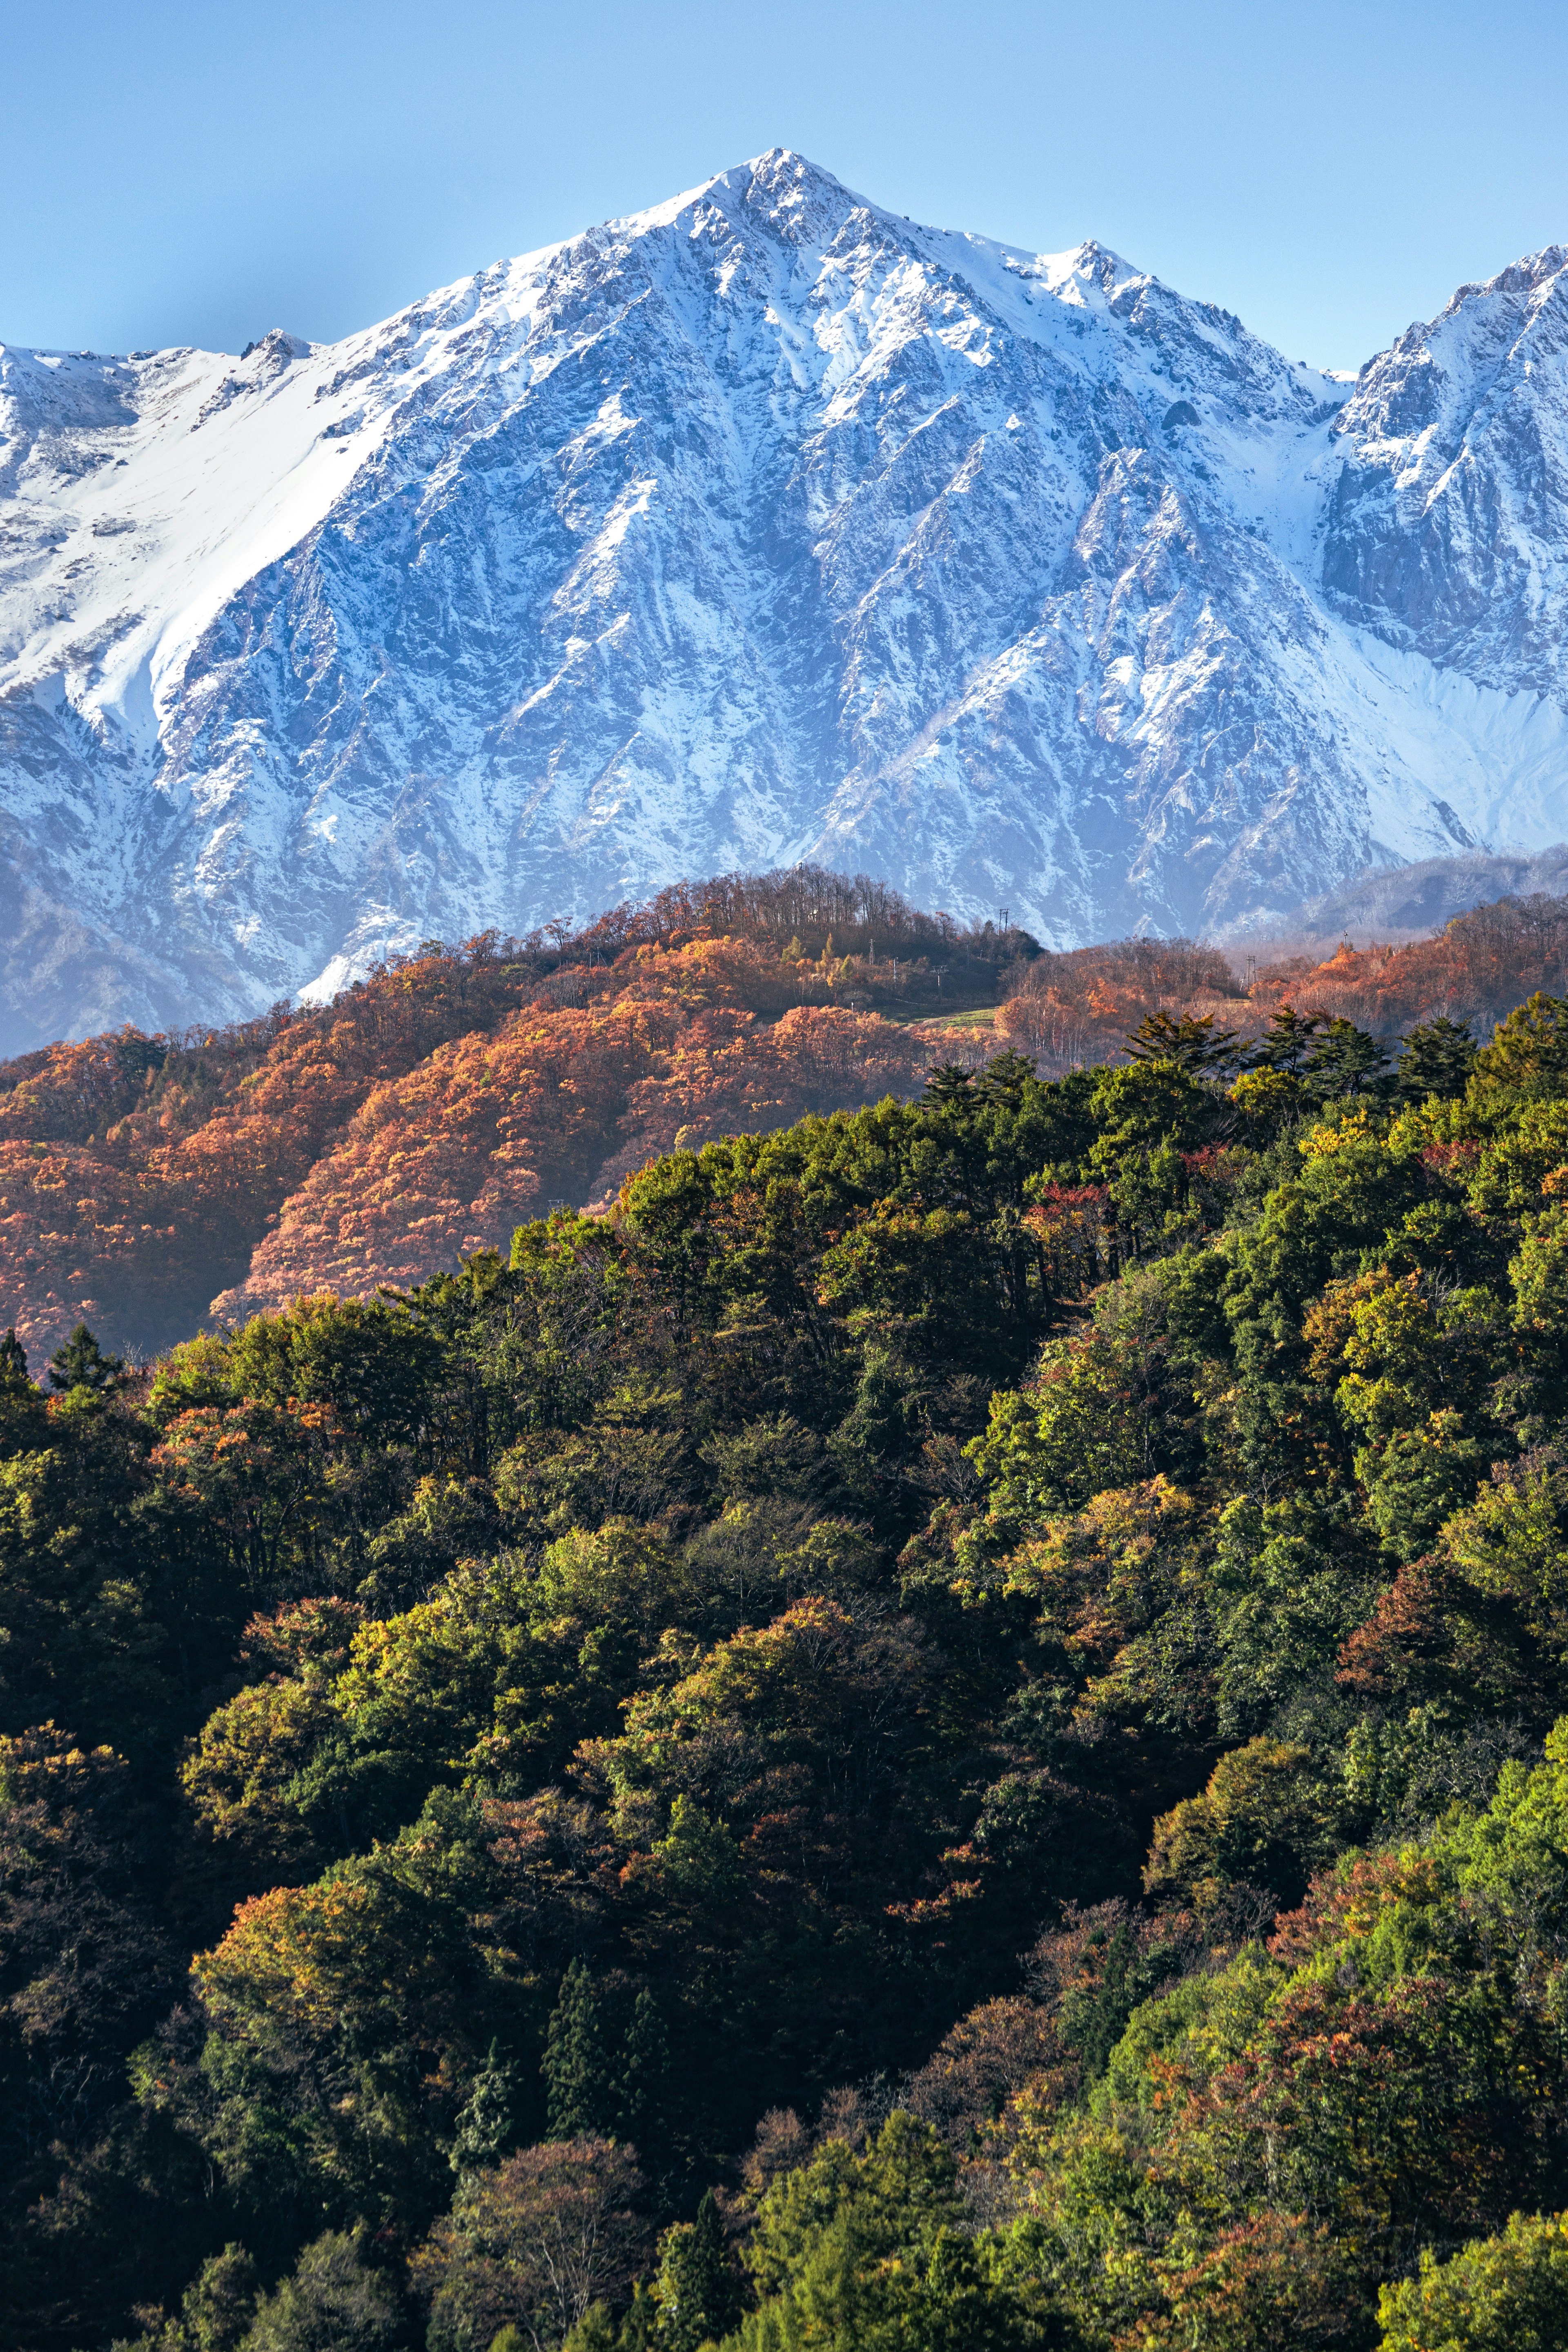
(774, 1626)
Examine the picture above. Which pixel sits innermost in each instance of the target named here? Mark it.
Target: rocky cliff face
(760, 526)
(1449, 515)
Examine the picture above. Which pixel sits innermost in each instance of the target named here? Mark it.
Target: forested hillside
(148, 1184)
(1474, 970)
(429, 1108)
(947, 1727)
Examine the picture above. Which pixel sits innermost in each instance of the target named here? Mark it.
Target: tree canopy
(947, 1725)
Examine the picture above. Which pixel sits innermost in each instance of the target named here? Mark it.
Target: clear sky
(180, 174)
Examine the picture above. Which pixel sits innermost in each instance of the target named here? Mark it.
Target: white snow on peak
(758, 524)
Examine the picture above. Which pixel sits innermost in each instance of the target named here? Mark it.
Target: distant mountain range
(1411, 901)
(763, 525)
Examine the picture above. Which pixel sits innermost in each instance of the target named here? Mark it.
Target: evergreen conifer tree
(1191, 1042)
(1288, 1040)
(947, 1088)
(1436, 1058)
(82, 1364)
(23, 1416)
(697, 2289)
(1346, 1061)
(644, 2077)
(579, 2087)
(486, 2127)
(1002, 1082)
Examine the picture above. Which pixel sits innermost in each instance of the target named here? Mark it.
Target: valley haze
(762, 526)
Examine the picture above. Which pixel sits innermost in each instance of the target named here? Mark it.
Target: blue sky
(184, 173)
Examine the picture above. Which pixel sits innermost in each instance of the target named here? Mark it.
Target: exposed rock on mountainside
(764, 524)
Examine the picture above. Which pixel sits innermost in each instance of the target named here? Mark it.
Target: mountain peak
(276, 349)
(763, 525)
(784, 188)
(1525, 275)
(1088, 272)
(788, 177)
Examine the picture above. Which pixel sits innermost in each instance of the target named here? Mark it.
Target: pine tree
(1436, 1059)
(697, 2289)
(1288, 1040)
(578, 2082)
(1004, 1079)
(82, 1364)
(1192, 1044)
(947, 1088)
(1346, 1061)
(23, 1416)
(486, 2127)
(646, 2073)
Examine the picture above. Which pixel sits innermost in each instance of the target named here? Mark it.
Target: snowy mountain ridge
(763, 525)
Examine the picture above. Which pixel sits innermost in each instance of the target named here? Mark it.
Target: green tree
(948, 1089)
(645, 2083)
(1528, 1055)
(24, 1415)
(1344, 1061)
(1286, 1045)
(1192, 1042)
(1436, 1058)
(579, 2066)
(697, 1860)
(1507, 2293)
(333, 2302)
(217, 2309)
(1417, 1478)
(1143, 1105)
(487, 2122)
(1261, 1822)
(81, 1363)
(1004, 1083)
(868, 2254)
(1096, 2018)
(595, 2332)
(697, 2287)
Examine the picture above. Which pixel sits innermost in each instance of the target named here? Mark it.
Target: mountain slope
(763, 525)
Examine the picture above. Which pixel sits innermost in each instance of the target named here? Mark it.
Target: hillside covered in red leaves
(1076, 1009)
(434, 1105)
(147, 1184)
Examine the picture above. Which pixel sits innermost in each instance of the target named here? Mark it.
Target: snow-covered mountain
(764, 525)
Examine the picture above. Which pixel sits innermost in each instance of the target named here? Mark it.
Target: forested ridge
(151, 1183)
(455, 1090)
(946, 1727)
